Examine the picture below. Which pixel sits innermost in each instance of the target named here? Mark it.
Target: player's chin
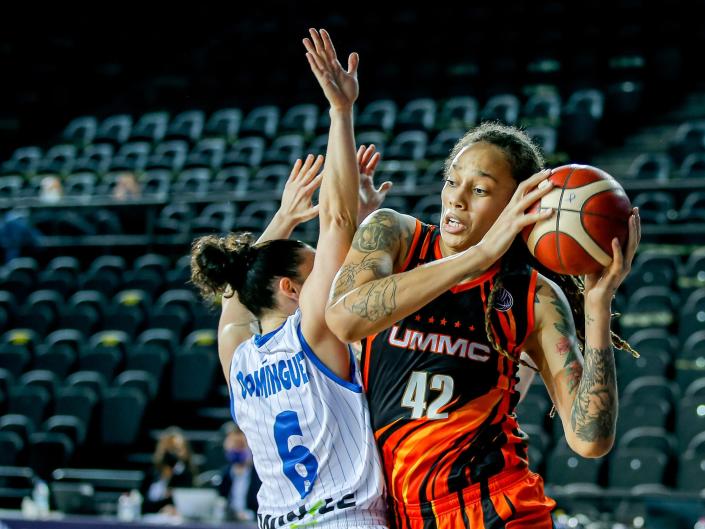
(457, 242)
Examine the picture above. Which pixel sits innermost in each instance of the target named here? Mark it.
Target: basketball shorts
(511, 500)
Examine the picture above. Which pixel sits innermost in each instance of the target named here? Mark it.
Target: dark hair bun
(217, 262)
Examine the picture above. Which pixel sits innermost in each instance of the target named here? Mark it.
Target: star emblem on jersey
(457, 325)
(503, 300)
(431, 320)
(444, 321)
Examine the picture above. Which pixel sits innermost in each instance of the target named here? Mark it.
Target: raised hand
(339, 86)
(302, 183)
(371, 198)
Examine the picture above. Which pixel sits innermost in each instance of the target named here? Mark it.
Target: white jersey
(309, 432)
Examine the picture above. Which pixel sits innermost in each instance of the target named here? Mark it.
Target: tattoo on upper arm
(380, 233)
(589, 319)
(376, 300)
(565, 347)
(347, 276)
(594, 411)
(564, 325)
(536, 294)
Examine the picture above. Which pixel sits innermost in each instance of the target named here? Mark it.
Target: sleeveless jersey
(309, 432)
(442, 399)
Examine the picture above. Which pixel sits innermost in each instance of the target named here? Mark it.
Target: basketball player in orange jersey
(445, 312)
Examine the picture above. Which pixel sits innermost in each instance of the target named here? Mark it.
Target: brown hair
(235, 261)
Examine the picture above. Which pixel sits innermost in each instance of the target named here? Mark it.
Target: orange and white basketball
(591, 209)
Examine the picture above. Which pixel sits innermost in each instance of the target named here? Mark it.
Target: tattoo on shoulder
(594, 411)
(382, 232)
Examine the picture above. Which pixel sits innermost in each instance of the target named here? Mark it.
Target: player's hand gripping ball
(591, 209)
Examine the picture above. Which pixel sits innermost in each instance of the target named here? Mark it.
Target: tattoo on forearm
(347, 276)
(381, 233)
(375, 300)
(589, 320)
(595, 407)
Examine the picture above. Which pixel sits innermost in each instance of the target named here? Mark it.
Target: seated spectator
(239, 481)
(127, 187)
(17, 236)
(173, 467)
(50, 189)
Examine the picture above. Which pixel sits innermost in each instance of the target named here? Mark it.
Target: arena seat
(69, 425)
(94, 158)
(132, 156)
(247, 152)
(300, 119)
(629, 467)
(208, 153)
(408, 145)
(417, 114)
(12, 448)
(262, 121)
(122, 411)
(76, 401)
(691, 472)
(379, 115)
(150, 127)
(31, 402)
(49, 451)
(187, 126)
(565, 467)
(114, 130)
(224, 123)
(459, 112)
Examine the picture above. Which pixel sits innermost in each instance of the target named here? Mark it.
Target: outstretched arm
(368, 296)
(236, 322)
(583, 386)
(338, 198)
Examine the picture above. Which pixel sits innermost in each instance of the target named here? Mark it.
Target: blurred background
(125, 135)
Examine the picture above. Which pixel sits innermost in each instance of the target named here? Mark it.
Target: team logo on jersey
(503, 300)
(311, 512)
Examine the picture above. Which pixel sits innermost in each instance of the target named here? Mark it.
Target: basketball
(591, 209)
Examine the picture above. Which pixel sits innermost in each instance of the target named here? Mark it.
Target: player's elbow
(592, 449)
(337, 218)
(339, 324)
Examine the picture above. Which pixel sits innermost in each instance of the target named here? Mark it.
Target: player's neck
(272, 320)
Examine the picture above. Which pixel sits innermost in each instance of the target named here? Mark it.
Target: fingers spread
(353, 63)
(328, 43)
(318, 164)
(318, 43)
(385, 188)
(295, 170)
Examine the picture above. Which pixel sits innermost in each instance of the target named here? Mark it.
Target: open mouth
(452, 224)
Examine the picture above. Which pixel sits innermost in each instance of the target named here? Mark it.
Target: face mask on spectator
(170, 459)
(237, 457)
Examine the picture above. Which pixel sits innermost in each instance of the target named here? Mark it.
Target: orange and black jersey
(441, 398)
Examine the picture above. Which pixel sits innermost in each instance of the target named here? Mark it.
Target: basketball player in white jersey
(295, 388)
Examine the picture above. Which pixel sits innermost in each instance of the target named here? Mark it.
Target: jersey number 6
(299, 464)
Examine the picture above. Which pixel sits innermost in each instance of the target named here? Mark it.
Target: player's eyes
(479, 191)
(449, 182)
